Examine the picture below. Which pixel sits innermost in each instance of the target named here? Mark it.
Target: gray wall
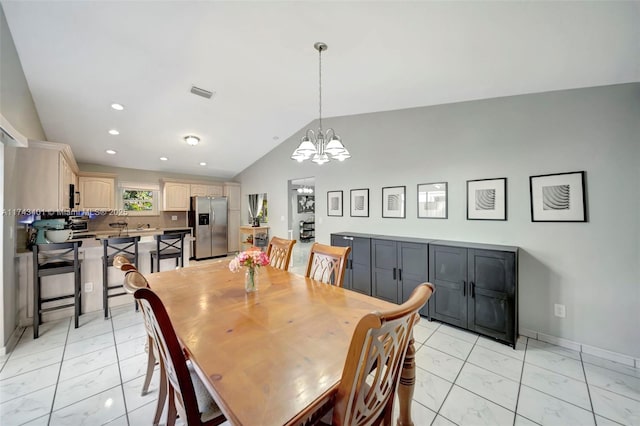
(16, 105)
(592, 268)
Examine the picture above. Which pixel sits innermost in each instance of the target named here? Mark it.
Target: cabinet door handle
(464, 288)
(473, 289)
(78, 203)
(399, 274)
(394, 273)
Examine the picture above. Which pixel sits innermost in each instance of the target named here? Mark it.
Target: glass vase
(251, 280)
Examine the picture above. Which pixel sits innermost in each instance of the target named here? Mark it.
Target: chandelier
(321, 146)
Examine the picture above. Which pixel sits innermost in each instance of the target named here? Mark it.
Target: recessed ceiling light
(203, 164)
(117, 107)
(192, 140)
(114, 132)
(110, 152)
(163, 158)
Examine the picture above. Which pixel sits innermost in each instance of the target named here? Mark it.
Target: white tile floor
(93, 375)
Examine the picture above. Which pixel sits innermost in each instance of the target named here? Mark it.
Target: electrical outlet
(88, 287)
(174, 217)
(559, 310)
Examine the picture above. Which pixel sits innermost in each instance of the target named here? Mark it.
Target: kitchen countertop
(146, 236)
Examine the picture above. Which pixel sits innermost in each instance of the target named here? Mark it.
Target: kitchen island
(91, 253)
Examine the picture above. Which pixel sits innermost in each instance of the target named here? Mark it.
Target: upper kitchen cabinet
(202, 190)
(232, 192)
(176, 196)
(96, 192)
(47, 170)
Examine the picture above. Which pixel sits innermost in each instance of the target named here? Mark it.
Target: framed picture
(359, 203)
(393, 201)
(306, 203)
(334, 203)
(558, 197)
(432, 200)
(487, 199)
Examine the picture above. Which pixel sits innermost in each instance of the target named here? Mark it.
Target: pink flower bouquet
(251, 259)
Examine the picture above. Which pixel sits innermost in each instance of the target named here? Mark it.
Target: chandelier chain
(320, 86)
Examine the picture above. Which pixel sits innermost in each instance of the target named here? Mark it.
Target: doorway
(301, 225)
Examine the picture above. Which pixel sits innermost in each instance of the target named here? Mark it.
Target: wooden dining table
(274, 356)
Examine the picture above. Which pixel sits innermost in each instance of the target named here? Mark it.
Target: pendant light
(320, 146)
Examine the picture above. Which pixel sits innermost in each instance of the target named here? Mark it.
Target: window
(139, 199)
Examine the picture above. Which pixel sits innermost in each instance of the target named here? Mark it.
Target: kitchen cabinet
(232, 192)
(476, 288)
(357, 274)
(67, 177)
(397, 267)
(96, 193)
(46, 171)
(203, 190)
(233, 228)
(176, 196)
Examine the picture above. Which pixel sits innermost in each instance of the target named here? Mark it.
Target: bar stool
(168, 246)
(55, 259)
(116, 247)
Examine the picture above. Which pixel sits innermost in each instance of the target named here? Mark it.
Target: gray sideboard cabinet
(476, 287)
(357, 274)
(397, 268)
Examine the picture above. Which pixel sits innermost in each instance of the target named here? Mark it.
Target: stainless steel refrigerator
(208, 218)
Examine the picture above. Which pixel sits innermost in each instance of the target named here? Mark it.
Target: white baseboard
(581, 347)
(559, 341)
(529, 333)
(13, 340)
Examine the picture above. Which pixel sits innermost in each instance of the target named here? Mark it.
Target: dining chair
(188, 396)
(279, 252)
(374, 362)
(133, 281)
(327, 263)
(122, 262)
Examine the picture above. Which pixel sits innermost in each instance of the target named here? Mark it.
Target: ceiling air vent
(201, 92)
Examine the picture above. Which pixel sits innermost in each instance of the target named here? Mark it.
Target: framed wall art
(432, 200)
(487, 199)
(393, 201)
(334, 203)
(306, 204)
(359, 203)
(558, 197)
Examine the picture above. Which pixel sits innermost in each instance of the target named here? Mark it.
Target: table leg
(407, 383)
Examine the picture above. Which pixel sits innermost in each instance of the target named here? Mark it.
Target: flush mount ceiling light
(163, 158)
(117, 107)
(192, 140)
(203, 164)
(111, 152)
(114, 132)
(320, 146)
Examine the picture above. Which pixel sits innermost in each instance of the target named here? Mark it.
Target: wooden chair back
(374, 362)
(122, 262)
(279, 252)
(173, 360)
(327, 263)
(134, 280)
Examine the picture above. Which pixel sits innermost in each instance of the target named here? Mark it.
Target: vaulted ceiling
(258, 58)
